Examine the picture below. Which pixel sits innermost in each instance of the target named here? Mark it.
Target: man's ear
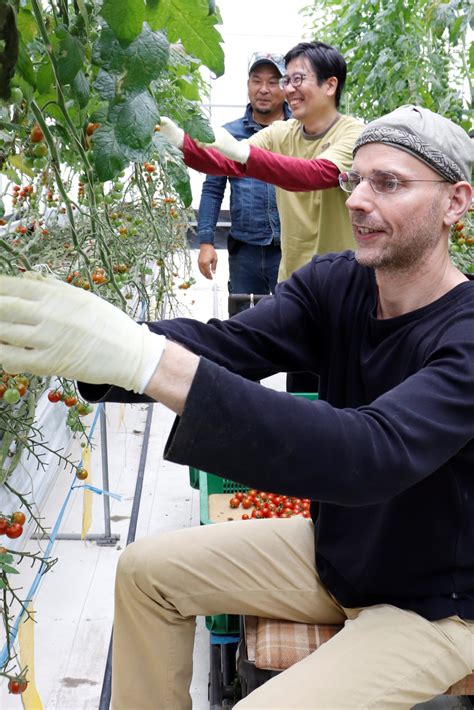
(332, 83)
(460, 199)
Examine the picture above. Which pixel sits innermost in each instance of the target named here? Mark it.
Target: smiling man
(386, 453)
(253, 241)
(315, 221)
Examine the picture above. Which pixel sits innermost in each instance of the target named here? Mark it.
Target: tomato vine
(90, 192)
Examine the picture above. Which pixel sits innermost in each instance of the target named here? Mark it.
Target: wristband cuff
(153, 360)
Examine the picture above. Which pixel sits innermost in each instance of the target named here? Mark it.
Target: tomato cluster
(269, 505)
(460, 235)
(12, 525)
(13, 387)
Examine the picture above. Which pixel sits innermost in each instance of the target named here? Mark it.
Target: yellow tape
(87, 495)
(26, 642)
(121, 418)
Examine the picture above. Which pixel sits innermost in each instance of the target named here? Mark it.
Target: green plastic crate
(193, 477)
(208, 484)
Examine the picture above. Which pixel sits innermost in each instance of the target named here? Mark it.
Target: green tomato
(11, 396)
(40, 163)
(40, 150)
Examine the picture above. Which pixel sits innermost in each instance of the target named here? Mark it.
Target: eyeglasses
(295, 80)
(380, 182)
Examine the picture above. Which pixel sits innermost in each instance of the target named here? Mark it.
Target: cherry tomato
(14, 531)
(246, 503)
(82, 474)
(70, 400)
(17, 686)
(19, 517)
(234, 502)
(245, 516)
(54, 396)
(11, 395)
(36, 135)
(3, 526)
(3, 389)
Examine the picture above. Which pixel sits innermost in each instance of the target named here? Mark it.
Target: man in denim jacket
(254, 237)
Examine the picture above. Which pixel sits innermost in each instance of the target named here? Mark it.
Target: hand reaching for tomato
(48, 327)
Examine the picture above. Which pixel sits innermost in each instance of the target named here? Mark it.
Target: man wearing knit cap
(386, 453)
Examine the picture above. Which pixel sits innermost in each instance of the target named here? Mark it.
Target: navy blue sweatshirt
(387, 451)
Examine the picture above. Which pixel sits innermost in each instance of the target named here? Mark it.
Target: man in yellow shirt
(313, 222)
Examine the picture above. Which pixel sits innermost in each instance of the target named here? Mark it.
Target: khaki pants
(384, 658)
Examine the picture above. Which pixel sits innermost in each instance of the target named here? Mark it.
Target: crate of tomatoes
(223, 500)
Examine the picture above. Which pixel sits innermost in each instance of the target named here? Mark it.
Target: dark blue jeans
(252, 269)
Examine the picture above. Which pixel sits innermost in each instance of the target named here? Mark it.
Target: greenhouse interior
(236, 355)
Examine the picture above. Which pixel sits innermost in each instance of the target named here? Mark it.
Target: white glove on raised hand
(228, 145)
(171, 132)
(49, 327)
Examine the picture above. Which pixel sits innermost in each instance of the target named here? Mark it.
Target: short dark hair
(325, 61)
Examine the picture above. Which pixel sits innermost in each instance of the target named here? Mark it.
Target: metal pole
(108, 538)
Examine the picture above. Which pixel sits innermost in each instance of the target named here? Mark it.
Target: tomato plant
(92, 193)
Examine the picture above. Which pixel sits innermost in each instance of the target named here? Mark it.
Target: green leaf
(124, 17)
(26, 23)
(7, 569)
(24, 65)
(180, 180)
(105, 84)
(135, 122)
(81, 89)
(188, 88)
(145, 58)
(108, 159)
(70, 58)
(12, 175)
(198, 128)
(190, 22)
(44, 78)
(18, 163)
(107, 52)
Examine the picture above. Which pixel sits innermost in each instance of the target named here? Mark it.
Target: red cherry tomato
(54, 396)
(14, 531)
(3, 526)
(17, 686)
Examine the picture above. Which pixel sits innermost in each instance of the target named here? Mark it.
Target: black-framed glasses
(380, 181)
(295, 80)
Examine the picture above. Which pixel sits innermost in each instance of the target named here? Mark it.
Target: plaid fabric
(273, 644)
(276, 644)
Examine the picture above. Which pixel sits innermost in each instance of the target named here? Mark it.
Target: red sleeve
(294, 174)
(210, 161)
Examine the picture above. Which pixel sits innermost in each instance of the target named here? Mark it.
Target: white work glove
(49, 327)
(229, 146)
(171, 132)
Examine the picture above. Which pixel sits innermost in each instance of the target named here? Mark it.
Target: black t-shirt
(387, 451)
